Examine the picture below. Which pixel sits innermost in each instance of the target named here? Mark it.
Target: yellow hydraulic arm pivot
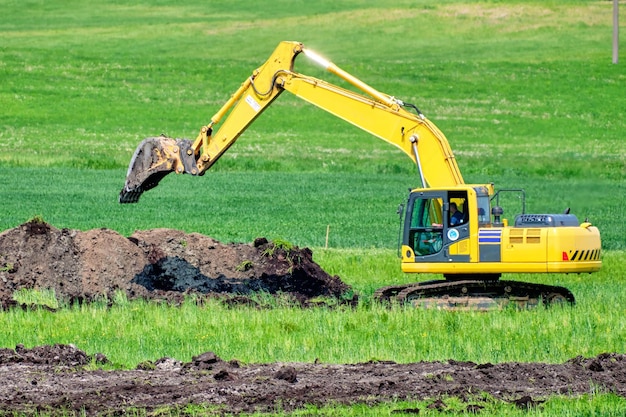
(381, 115)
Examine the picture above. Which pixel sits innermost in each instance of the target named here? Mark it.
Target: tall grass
(131, 332)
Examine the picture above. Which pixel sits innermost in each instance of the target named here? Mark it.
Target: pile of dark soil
(53, 380)
(154, 264)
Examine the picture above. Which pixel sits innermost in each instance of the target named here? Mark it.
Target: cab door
(429, 229)
(423, 225)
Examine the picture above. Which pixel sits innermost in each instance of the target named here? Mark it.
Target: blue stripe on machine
(489, 236)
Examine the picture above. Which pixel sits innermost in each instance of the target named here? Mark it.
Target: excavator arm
(398, 123)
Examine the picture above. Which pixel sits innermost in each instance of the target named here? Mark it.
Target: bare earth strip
(53, 378)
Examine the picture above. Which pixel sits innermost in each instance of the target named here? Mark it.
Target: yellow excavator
(450, 228)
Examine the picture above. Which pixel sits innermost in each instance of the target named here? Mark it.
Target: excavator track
(478, 295)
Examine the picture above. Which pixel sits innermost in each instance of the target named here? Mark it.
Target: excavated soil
(168, 264)
(161, 264)
(53, 379)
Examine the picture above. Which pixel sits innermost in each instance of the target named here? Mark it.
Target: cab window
(426, 231)
(458, 213)
(427, 212)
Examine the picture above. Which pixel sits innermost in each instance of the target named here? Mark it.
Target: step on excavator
(450, 228)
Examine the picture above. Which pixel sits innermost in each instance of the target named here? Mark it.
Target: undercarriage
(474, 294)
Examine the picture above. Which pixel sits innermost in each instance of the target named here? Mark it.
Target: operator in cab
(456, 217)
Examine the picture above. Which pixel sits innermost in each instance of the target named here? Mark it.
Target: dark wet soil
(53, 379)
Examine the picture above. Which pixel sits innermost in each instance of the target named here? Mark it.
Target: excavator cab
(450, 231)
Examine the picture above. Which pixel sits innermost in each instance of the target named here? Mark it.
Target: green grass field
(524, 90)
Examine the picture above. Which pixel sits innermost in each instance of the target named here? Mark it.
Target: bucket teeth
(131, 195)
(127, 197)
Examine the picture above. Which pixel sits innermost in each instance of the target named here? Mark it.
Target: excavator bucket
(153, 159)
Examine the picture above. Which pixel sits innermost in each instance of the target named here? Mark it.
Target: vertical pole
(327, 233)
(615, 31)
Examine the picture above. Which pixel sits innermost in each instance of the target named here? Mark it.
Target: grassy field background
(524, 90)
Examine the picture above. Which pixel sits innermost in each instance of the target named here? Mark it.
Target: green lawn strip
(593, 404)
(597, 404)
(358, 210)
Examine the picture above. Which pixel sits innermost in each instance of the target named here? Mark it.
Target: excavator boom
(384, 116)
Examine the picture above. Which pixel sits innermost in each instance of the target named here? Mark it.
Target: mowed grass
(524, 90)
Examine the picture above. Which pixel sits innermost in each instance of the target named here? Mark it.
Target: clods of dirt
(154, 264)
(64, 355)
(55, 380)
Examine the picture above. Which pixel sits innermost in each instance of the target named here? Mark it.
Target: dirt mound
(153, 264)
(39, 383)
(65, 355)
